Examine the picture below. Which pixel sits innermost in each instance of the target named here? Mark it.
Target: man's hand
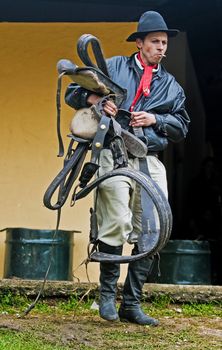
(93, 99)
(109, 106)
(142, 118)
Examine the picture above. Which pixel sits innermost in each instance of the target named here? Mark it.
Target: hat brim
(136, 35)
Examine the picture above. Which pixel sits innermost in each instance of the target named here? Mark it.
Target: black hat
(149, 22)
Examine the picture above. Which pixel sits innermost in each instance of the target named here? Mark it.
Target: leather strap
(58, 108)
(99, 138)
(154, 240)
(67, 176)
(82, 49)
(148, 219)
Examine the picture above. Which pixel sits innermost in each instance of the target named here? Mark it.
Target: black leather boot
(109, 275)
(130, 310)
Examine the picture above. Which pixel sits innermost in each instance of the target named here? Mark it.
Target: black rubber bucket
(183, 262)
(28, 253)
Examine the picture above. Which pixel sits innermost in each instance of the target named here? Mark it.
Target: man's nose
(160, 46)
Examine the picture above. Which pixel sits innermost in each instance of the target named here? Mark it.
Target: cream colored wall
(28, 144)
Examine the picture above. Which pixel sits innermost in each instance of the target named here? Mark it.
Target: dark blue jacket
(166, 100)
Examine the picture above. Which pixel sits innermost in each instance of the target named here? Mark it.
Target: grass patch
(61, 324)
(161, 305)
(73, 303)
(11, 340)
(205, 310)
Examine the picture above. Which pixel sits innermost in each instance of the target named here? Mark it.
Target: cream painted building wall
(28, 144)
(28, 56)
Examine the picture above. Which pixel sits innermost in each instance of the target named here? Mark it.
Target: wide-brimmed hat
(149, 22)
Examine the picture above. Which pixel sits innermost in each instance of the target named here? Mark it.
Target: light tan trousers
(118, 200)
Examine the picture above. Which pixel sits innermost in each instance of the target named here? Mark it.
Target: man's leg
(114, 221)
(138, 271)
(109, 275)
(130, 310)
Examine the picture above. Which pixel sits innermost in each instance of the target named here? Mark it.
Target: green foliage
(161, 301)
(10, 302)
(74, 303)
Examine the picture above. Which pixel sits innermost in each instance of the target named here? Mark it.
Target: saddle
(86, 120)
(90, 128)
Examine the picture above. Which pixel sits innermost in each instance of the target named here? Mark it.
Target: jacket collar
(132, 63)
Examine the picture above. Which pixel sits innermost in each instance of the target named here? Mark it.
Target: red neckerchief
(144, 86)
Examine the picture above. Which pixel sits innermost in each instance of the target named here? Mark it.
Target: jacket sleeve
(76, 96)
(154, 141)
(173, 125)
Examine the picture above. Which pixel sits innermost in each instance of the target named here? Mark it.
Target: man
(156, 103)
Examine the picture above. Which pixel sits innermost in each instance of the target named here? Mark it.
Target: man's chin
(156, 62)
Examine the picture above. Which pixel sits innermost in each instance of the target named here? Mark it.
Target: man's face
(152, 47)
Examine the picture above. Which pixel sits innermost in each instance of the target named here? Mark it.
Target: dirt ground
(91, 332)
